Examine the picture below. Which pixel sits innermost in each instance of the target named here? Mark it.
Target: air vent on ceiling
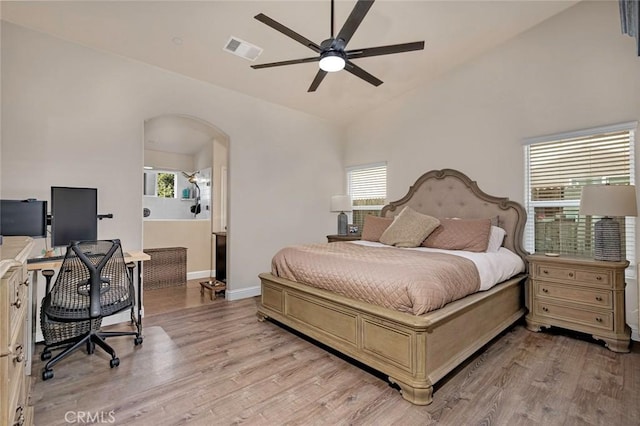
(242, 48)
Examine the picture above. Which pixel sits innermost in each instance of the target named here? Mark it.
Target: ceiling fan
(332, 54)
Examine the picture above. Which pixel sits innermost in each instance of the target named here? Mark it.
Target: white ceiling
(147, 31)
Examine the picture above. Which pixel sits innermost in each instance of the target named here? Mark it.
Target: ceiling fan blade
(290, 62)
(353, 21)
(287, 31)
(384, 50)
(317, 80)
(359, 72)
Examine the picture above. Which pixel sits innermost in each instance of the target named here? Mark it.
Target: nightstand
(348, 237)
(578, 294)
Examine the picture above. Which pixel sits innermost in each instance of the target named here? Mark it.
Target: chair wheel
(137, 341)
(45, 355)
(47, 374)
(114, 362)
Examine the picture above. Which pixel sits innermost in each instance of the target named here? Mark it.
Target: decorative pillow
(409, 229)
(374, 226)
(496, 237)
(460, 234)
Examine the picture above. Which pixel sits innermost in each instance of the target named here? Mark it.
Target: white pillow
(496, 236)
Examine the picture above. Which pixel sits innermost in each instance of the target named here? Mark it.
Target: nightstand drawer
(574, 315)
(554, 272)
(600, 278)
(588, 296)
(595, 278)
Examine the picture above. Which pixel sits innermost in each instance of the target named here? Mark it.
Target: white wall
(169, 160)
(194, 235)
(72, 115)
(573, 71)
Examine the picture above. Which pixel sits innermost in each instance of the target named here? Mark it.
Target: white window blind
(557, 167)
(367, 186)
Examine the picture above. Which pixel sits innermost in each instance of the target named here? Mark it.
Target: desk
(131, 256)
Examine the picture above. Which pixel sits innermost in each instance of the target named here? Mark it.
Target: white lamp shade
(340, 203)
(608, 200)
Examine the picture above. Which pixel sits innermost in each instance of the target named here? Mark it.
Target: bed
(414, 351)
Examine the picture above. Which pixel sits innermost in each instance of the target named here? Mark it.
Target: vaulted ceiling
(187, 37)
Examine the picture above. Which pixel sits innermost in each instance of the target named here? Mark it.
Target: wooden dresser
(14, 340)
(579, 294)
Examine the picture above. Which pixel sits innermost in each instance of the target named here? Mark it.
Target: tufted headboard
(450, 193)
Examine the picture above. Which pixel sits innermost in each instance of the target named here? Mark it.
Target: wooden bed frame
(414, 351)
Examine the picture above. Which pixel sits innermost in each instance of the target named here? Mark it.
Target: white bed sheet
(492, 267)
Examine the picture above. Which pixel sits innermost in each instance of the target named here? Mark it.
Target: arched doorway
(193, 155)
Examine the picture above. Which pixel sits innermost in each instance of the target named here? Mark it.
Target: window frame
(349, 178)
(531, 205)
(153, 174)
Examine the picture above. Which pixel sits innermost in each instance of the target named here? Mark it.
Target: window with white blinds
(367, 186)
(557, 167)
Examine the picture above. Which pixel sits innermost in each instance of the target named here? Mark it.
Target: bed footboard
(413, 351)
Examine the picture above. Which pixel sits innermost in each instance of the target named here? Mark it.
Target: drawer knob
(599, 299)
(20, 354)
(19, 416)
(544, 290)
(598, 319)
(571, 274)
(544, 308)
(17, 303)
(598, 278)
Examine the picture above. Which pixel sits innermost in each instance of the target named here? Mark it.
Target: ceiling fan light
(332, 62)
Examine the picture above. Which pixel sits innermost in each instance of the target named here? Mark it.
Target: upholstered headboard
(448, 193)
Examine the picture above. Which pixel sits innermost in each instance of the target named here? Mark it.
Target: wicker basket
(167, 267)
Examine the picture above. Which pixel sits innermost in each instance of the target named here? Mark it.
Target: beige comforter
(404, 280)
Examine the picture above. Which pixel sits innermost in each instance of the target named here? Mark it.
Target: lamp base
(342, 223)
(607, 240)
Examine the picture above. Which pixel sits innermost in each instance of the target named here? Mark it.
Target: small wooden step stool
(215, 288)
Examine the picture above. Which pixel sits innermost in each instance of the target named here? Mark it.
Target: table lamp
(341, 203)
(609, 201)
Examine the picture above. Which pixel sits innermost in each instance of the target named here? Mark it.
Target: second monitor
(74, 215)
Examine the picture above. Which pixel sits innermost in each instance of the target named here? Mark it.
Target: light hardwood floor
(213, 363)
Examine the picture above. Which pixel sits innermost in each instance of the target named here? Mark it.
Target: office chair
(94, 282)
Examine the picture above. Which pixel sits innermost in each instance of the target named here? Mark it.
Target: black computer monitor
(74, 215)
(23, 218)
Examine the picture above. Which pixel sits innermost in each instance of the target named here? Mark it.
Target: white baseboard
(244, 293)
(200, 274)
